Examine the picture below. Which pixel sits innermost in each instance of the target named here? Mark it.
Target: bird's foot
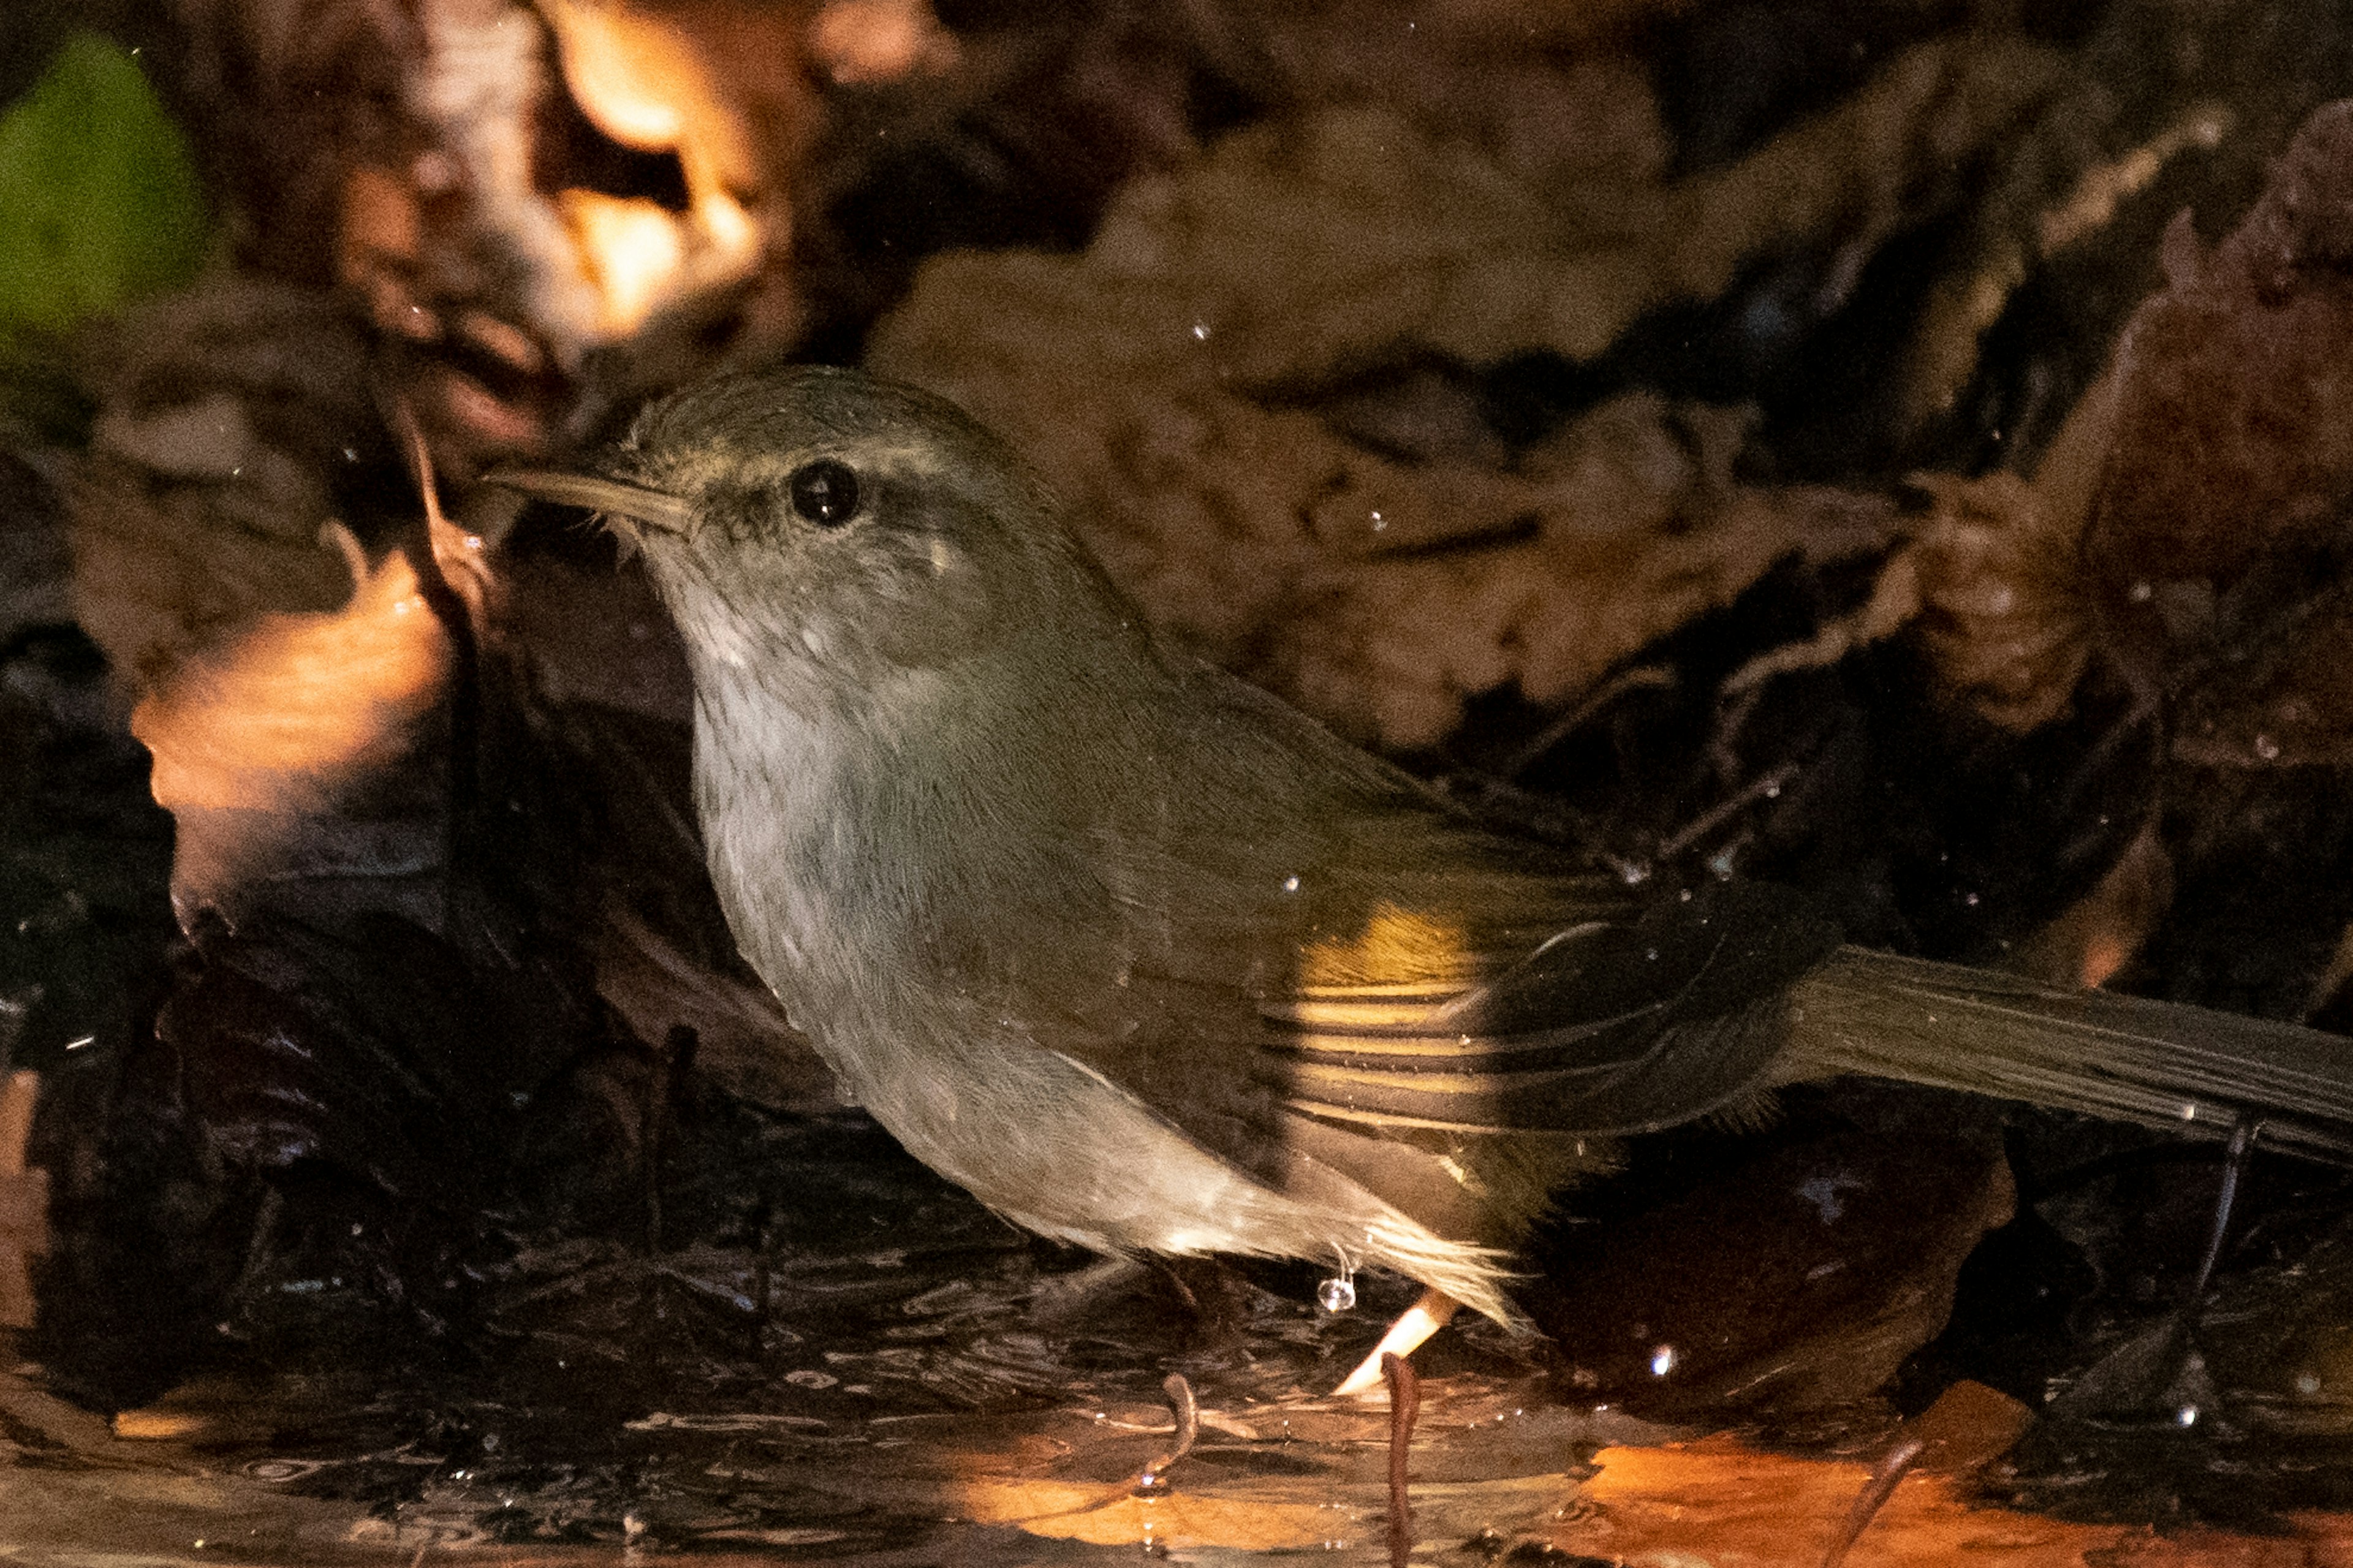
(1417, 1324)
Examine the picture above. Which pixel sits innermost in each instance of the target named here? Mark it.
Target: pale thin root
(1417, 1324)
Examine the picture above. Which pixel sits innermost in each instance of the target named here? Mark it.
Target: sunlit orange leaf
(1115, 1516)
(1731, 1506)
(278, 715)
(649, 80)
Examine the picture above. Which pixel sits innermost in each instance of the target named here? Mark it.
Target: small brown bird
(1150, 962)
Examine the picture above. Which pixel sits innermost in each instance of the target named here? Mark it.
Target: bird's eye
(825, 492)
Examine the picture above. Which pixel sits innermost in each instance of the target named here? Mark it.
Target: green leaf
(99, 201)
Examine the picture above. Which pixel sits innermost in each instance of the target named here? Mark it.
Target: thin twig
(1892, 1468)
(2234, 1164)
(1642, 676)
(456, 614)
(1405, 1404)
(1189, 1428)
(1768, 787)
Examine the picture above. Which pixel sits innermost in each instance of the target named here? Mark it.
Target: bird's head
(826, 533)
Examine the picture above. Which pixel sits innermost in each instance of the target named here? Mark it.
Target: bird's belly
(1064, 1152)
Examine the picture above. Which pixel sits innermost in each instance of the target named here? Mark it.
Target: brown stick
(1892, 1468)
(1405, 1404)
(1189, 1428)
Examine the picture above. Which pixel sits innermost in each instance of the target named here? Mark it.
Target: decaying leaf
(2221, 532)
(263, 743)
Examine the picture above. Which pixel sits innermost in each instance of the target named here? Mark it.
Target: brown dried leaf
(223, 410)
(2219, 529)
(1162, 378)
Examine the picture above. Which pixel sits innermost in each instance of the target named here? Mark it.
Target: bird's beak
(613, 498)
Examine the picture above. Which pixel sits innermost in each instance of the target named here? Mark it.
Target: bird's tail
(2129, 1059)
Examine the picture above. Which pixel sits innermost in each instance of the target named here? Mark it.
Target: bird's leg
(1417, 1324)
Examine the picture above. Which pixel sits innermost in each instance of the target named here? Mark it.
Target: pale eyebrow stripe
(906, 460)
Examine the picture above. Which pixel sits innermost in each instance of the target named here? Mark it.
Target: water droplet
(2267, 748)
(2190, 1110)
(2187, 1416)
(1652, 953)
(633, 1527)
(2307, 1384)
(1970, 899)
(1663, 1361)
(2141, 591)
(1337, 1294)
(1200, 332)
(1380, 522)
(1290, 884)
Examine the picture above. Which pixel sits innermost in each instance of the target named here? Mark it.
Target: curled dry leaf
(266, 743)
(296, 703)
(562, 176)
(2004, 616)
(1168, 378)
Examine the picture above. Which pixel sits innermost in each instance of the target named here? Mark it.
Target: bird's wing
(1605, 1026)
(1445, 1028)
(1409, 969)
(1312, 966)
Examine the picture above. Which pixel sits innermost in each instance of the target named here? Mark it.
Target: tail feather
(2126, 1058)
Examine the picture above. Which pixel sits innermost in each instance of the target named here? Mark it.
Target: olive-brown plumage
(1150, 961)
